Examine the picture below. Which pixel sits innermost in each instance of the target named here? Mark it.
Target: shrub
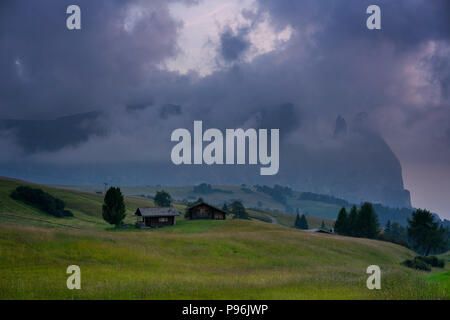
(432, 261)
(417, 264)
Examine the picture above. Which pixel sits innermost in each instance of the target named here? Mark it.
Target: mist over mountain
(355, 163)
(50, 135)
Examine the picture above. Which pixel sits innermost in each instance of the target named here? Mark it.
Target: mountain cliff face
(352, 163)
(356, 164)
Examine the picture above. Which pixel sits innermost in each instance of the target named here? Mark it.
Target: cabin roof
(157, 212)
(205, 204)
(319, 230)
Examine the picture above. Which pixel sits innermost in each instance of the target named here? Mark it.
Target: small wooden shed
(203, 210)
(156, 217)
(319, 230)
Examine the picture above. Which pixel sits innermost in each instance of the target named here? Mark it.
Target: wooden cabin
(155, 217)
(205, 211)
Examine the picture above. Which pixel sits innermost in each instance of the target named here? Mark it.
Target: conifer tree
(113, 209)
(351, 229)
(425, 233)
(297, 221)
(367, 222)
(341, 224)
(303, 224)
(388, 229)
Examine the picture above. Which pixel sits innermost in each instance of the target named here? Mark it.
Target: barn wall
(201, 212)
(206, 212)
(156, 222)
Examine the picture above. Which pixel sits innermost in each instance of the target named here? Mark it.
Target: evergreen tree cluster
(300, 222)
(424, 233)
(396, 233)
(361, 222)
(278, 193)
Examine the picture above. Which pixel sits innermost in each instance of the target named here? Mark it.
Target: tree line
(361, 222)
(41, 200)
(424, 233)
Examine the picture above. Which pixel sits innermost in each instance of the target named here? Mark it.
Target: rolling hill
(250, 196)
(231, 259)
(273, 200)
(86, 207)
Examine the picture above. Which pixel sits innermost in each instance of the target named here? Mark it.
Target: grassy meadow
(207, 259)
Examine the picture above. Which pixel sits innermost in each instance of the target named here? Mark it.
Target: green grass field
(443, 278)
(231, 259)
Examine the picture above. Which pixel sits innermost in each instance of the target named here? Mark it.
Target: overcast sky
(229, 61)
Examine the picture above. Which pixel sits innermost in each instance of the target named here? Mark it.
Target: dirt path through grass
(274, 220)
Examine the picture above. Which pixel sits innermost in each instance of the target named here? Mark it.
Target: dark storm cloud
(359, 64)
(331, 66)
(169, 110)
(405, 22)
(232, 45)
(49, 69)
